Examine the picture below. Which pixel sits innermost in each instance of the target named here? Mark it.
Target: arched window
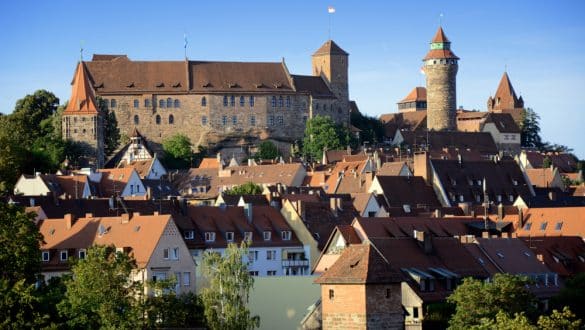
(157, 119)
(242, 101)
(136, 120)
(171, 119)
(274, 101)
(161, 103)
(251, 100)
(280, 102)
(317, 106)
(203, 102)
(233, 101)
(204, 120)
(169, 103)
(147, 103)
(106, 103)
(225, 100)
(288, 101)
(324, 107)
(112, 103)
(177, 103)
(136, 103)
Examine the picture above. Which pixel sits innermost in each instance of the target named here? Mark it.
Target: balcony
(295, 263)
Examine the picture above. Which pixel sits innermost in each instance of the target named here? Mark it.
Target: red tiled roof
(417, 94)
(391, 168)
(505, 97)
(563, 255)
(82, 99)
(114, 180)
(541, 177)
(440, 36)
(407, 190)
(314, 85)
(440, 53)
(209, 163)
(553, 221)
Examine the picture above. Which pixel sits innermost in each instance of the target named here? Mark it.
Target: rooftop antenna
(185, 44)
(81, 50)
(441, 19)
(330, 11)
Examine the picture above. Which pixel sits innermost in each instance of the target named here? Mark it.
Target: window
(280, 121)
(527, 226)
(203, 120)
(203, 101)
(209, 236)
(45, 256)
(316, 106)
(274, 101)
(229, 236)
(252, 256)
(388, 293)
(81, 254)
(178, 283)
(242, 101)
(112, 103)
(415, 312)
(270, 120)
(248, 236)
(543, 226)
(270, 273)
(253, 273)
(147, 103)
(280, 101)
(175, 253)
(136, 103)
(186, 279)
(106, 103)
(288, 101)
(165, 253)
(271, 255)
(169, 103)
(252, 120)
(224, 120)
(63, 255)
(499, 198)
(267, 235)
(234, 120)
(189, 234)
(161, 103)
(559, 225)
(177, 103)
(158, 119)
(131, 189)
(286, 235)
(171, 119)
(511, 198)
(225, 100)
(331, 294)
(233, 101)
(251, 101)
(324, 107)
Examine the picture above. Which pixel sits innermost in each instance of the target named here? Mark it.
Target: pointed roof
(82, 99)
(417, 94)
(135, 133)
(330, 48)
(440, 36)
(506, 95)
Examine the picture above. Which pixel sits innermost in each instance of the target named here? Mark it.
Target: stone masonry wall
(87, 130)
(441, 96)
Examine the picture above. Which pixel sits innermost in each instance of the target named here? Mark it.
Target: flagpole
(330, 11)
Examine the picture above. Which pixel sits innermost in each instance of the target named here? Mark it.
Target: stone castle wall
(441, 96)
(87, 130)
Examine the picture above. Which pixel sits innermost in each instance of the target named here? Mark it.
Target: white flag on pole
(330, 10)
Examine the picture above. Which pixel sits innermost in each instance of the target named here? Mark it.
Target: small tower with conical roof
(440, 66)
(331, 63)
(82, 121)
(505, 98)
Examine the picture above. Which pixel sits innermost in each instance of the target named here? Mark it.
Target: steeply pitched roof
(114, 180)
(417, 94)
(553, 221)
(563, 255)
(313, 85)
(504, 122)
(541, 177)
(330, 48)
(483, 142)
(505, 97)
(407, 190)
(360, 264)
(511, 255)
(391, 168)
(82, 99)
(142, 167)
(440, 36)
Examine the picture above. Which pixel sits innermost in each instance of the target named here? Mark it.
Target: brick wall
(441, 96)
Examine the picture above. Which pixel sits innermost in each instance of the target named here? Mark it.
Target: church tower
(330, 62)
(82, 122)
(440, 66)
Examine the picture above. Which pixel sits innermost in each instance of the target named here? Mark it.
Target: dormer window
(248, 236)
(453, 182)
(511, 198)
(461, 198)
(45, 256)
(189, 234)
(514, 182)
(543, 226)
(499, 198)
(63, 255)
(286, 235)
(559, 226)
(267, 235)
(229, 236)
(527, 226)
(209, 236)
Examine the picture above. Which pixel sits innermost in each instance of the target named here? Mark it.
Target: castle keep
(219, 103)
(440, 66)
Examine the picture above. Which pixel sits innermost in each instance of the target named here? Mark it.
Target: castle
(215, 104)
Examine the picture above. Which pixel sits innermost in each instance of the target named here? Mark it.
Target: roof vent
(130, 84)
(260, 85)
(176, 85)
(207, 84)
(99, 85)
(233, 85)
(160, 84)
(278, 85)
(102, 230)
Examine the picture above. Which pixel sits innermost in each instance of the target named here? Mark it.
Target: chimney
(505, 235)
(218, 157)
(501, 212)
(540, 257)
(520, 218)
(438, 213)
(485, 234)
(339, 204)
(333, 205)
(148, 192)
(69, 220)
(125, 218)
(425, 240)
(135, 214)
(552, 195)
(421, 166)
(248, 212)
(89, 215)
(465, 207)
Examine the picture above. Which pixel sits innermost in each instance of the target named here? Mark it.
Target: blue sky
(542, 44)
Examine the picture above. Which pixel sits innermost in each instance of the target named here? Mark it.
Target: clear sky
(542, 44)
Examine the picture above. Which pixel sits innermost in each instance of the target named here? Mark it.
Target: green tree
(34, 113)
(572, 295)
(475, 300)
(267, 150)
(322, 133)
(248, 188)
(530, 135)
(546, 162)
(100, 293)
(13, 155)
(178, 153)
(226, 298)
(372, 129)
(111, 131)
(565, 320)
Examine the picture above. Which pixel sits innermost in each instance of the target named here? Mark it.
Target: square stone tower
(82, 121)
